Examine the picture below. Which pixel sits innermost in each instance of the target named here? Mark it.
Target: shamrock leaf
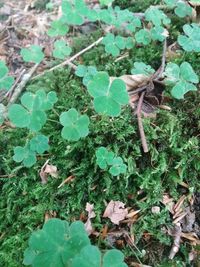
(61, 49)
(58, 28)
(156, 16)
(56, 244)
(191, 40)
(143, 37)
(31, 112)
(32, 54)
(104, 157)
(183, 9)
(71, 12)
(108, 98)
(159, 33)
(75, 126)
(117, 166)
(87, 73)
(5, 81)
(170, 3)
(106, 2)
(90, 256)
(39, 144)
(113, 44)
(142, 68)
(24, 155)
(182, 78)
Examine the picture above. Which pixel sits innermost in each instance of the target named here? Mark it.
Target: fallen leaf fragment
(115, 211)
(91, 214)
(48, 169)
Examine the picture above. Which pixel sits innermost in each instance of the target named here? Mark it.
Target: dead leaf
(132, 81)
(115, 211)
(48, 169)
(91, 214)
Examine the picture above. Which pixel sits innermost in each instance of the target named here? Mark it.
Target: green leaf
(158, 33)
(142, 68)
(57, 243)
(75, 125)
(108, 98)
(58, 28)
(172, 71)
(113, 44)
(24, 155)
(106, 2)
(71, 13)
(191, 40)
(187, 73)
(29, 256)
(156, 16)
(32, 54)
(182, 78)
(61, 49)
(39, 144)
(5, 81)
(114, 258)
(143, 37)
(81, 71)
(118, 167)
(90, 256)
(183, 9)
(170, 3)
(104, 157)
(19, 116)
(181, 88)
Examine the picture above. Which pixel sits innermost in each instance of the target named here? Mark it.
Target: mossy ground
(173, 157)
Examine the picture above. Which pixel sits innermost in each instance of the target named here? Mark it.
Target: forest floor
(159, 186)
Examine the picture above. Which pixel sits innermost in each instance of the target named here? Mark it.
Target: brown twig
(69, 61)
(140, 125)
(177, 239)
(158, 74)
(26, 77)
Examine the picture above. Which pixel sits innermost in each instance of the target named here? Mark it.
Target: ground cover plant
(110, 122)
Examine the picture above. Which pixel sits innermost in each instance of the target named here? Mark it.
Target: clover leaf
(31, 112)
(24, 155)
(75, 125)
(143, 37)
(191, 40)
(183, 9)
(104, 157)
(71, 12)
(117, 167)
(108, 98)
(90, 256)
(113, 44)
(32, 54)
(158, 33)
(142, 68)
(39, 143)
(61, 49)
(87, 73)
(5, 81)
(56, 244)
(182, 78)
(106, 2)
(156, 16)
(58, 27)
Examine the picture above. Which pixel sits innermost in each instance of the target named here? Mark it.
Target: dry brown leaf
(48, 169)
(115, 211)
(91, 214)
(132, 81)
